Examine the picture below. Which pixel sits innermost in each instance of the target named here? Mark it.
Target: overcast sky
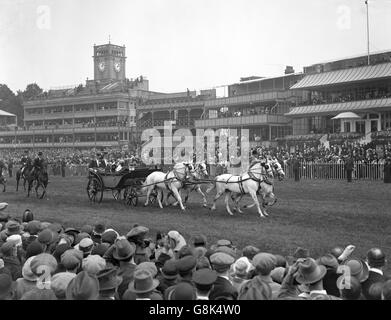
(179, 44)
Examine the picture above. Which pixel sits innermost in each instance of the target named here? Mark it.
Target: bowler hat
(83, 287)
(143, 282)
(376, 258)
(108, 279)
(123, 250)
(310, 272)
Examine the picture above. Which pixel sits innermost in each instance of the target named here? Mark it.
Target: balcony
(252, 120)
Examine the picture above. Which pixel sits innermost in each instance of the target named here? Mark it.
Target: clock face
(117, 66)
(101, 66)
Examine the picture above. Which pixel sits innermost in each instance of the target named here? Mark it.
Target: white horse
(266, 187)
(247, 183)
(199, 171)
(172, 181)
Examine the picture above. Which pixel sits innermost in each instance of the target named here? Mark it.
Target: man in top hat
(349, 167)
(94, 162)
(108, 283)
(223, 288)
(376, 260)
(204, 280)
(39, 165)
(311, 274)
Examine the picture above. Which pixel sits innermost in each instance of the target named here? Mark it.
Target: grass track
(316, 214)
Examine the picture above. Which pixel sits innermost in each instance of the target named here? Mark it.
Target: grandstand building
(346, 85)
(99, 114)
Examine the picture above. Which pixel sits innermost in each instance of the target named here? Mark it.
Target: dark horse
(24, 176)
(41, 179)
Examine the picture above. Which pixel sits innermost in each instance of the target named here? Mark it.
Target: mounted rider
(2, 166)
(25, 161)
(39, 165)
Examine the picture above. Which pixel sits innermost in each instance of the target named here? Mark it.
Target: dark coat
(93, 164)
(125, 271)
(373, 278)
(165, 283)
(14, 266)
(387, 172)
(223, 289)
(349, 165)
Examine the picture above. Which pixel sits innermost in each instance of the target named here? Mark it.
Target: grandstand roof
(6, 114)
(378, 71)
(341, 107)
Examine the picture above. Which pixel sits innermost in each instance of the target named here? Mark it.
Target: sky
(180, 44)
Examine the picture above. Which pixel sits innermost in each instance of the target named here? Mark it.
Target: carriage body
(125, 185)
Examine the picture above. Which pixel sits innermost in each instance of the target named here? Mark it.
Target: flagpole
(366, 3)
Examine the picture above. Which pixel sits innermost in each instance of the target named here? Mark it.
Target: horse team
(258, 180)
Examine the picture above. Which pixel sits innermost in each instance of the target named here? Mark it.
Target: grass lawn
(316, 214)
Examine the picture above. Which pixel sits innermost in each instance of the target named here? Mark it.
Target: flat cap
(170, 270)
(204, 277)
(250, 251)
(186, 264)
(86, 245)
(69, 260)
(33, 227)
(6, 248)
(264, 262)
(227, 250)
(43, 260)
(137, 231)
(93, 264)
(221, 260)
(60, 282)
(147, 265)
(224, 242)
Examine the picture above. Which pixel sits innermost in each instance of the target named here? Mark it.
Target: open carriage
(124, 185)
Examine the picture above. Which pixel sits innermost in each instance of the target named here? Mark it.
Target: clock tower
(109, 62)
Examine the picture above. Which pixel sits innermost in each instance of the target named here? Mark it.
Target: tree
(11, 103)
(32, 91)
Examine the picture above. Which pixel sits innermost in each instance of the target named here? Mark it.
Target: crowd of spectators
(44, 260)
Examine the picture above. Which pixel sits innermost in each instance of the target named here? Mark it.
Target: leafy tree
(11, 103)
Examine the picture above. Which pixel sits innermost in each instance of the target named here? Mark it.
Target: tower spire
(109, 39)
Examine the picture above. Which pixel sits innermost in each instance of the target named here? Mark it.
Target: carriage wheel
(116, 193)
(131, 196)
(94, 190)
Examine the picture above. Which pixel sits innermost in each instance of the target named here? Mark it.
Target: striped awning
(334, 108)
(379, 71)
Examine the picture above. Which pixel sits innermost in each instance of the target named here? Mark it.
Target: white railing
(336, 171)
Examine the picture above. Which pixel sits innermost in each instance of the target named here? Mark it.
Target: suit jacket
(372, 278)
(223, 289)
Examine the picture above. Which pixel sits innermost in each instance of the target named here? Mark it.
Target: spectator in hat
(87, 229)
(93, 264)
(142, 286)
(71, 260)
(27, 216)
(83, 287)
(239, 273)
(331, 277)
(13, 227)
(8, 252)
(48, 238)
(124, 253)
(202, 263)
(249, 252)
(199, 241)
(176, 240)
(39, 294)
(375, 291)
(108, 283)
(182, 291)
(137, 235)
(150, 266)
(79, 237)
(100, 249)
(186, 267)
(109, 236)
(168, 276)
(223, 288)
(34, 249)
(60, 282)
(376, 260)
(31, 233)
(6, 287)
(27, 282)
(20, 253)
(43, 264)
(97, 232)
(86, 246)
(71, 235)
(311, 274)
(204, 280)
